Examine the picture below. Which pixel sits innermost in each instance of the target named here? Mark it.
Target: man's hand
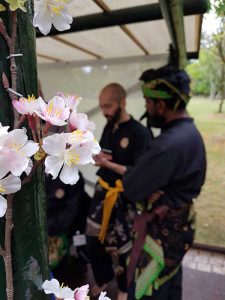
(102, 159)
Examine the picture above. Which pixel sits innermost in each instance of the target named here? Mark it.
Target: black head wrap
(165, 83)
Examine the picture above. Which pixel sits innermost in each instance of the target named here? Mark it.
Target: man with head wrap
(123, 141)
(175, 166)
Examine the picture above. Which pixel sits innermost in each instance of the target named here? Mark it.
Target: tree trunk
(222, 88)
(29, 238)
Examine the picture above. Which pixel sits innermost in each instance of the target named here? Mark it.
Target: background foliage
(208, 73)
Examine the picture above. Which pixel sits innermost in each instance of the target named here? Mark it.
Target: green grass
(210, 206)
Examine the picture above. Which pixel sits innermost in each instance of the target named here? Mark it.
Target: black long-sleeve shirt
(175, 164)
(128, 143)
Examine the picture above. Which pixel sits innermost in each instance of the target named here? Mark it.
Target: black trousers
(171, 290)
(71, 271)
(101, 263)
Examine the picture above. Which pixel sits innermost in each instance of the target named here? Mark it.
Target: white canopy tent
(142, 34)
(83, 61)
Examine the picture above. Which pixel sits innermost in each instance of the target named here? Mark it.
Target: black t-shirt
(175, 163)
(127, 143)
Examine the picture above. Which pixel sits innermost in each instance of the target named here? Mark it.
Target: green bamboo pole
(172, 11)
(29, 238)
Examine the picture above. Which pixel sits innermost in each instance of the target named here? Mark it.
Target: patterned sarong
(167, 239)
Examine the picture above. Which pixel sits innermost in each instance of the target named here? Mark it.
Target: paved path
(204, 276)
(205, 261)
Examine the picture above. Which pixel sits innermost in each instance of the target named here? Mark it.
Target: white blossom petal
(66, 293)
(11, 160)
(10, 184)
(53, 165)
(42, 17)
(85, 151)
(65, 113)
(4, 161)
(71, 101)
(80, 121)
(14, 139)
(19, 165)
(103, 296)
(91, 126)
(27, 106)
(79, 137)
(96, 148)
(62, 22)
(29, 167)
(43, 105)
(69, 175)
(16, 149)
(55, 112)
(53, 287)
(81, 292)
(29, 149)
(55, 144)
(3, 206)
(3, 130)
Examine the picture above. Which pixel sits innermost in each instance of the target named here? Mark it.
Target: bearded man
(123, 142)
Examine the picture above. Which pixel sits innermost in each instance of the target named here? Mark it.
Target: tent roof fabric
(148, 38)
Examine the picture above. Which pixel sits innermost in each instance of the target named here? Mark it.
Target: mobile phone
(108, 151)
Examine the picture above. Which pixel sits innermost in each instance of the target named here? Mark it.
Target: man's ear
(161, 106)
(123, 102)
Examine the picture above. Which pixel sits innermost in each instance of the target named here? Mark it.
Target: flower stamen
(72, 158)
(2, 189)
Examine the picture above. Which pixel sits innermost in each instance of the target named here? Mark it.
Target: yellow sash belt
(108, 204)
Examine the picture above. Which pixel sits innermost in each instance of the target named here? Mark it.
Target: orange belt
(108, 204)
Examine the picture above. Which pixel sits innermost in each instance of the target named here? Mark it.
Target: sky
(210, 23)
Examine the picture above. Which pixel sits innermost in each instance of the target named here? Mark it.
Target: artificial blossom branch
(11, 41)
(6, 253)
(34, 168)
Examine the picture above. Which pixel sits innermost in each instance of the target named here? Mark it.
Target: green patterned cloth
(57, 249)
(151, 272)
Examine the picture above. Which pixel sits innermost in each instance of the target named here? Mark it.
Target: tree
(219, 42)
(198, 72)
(208, 73)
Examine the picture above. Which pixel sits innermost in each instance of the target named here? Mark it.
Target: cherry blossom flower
(54, 112)
(64, 157)
(15, 4)
(79, 136)
(81, 293)
(7, 158)
(8, 185)
(61, 292)
(80, 121)
(15, 151)
(48, 12)
(103, 296)
(27, 105)
(71, 101)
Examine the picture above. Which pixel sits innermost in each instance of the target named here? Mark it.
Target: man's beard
(116, 117)
(155, 120)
